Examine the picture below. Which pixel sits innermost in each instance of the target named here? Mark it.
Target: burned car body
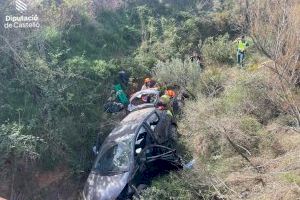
(140, 143)
(143, 99)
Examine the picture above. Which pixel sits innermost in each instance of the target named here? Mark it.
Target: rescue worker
(161, 87)
(148, 83)
(132, 86)
(112, 106)
(124, 78)
(164, 104)
(198, 59)
(170, 93)
(241, 48)
(122, 97)
(174, 104)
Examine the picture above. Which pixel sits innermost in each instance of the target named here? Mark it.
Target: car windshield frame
(153, 96)
(111, 158)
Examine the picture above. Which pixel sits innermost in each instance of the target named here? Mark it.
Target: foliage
(180, 33)
(54, 80)
(291, 178)
(218, 50)
(250, 125)
(182, 185)
(110, 35)
(275, 31)
(238, 113)
(183, 73)
(251, 95)
(13, 142)
(211, 82)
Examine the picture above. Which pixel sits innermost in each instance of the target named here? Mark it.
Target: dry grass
(279, 177)
(272, 148)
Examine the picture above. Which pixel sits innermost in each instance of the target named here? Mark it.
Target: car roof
(147, 91)
(137, 116)
(130, 123)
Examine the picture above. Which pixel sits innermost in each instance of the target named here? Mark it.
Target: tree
(274, 26)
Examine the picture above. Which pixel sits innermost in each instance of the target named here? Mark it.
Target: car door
(159, 122)
(142, 140)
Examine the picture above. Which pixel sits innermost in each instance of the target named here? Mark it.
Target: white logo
(21, 6)
(21, 21)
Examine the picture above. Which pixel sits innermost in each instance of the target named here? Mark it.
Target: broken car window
(153, 121)
(117, 156)
(144, 98)
(140, 142)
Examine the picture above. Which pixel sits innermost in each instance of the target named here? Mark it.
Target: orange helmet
(147, 80)
(170, 93)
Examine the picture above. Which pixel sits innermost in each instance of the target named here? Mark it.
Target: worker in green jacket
(164, 104)
(241, 48)
(122, 97)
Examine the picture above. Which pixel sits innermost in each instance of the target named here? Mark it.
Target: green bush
(218, 50)
(239, 112)
(154, 193)
(250, 95)
(250, 125)
(183, 73)
(15, 142)
(190, 184)
(145, 58)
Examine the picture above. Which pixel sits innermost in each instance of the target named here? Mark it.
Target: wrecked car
(143, 99)
(140, 144)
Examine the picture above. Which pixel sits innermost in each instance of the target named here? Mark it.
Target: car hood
(100, 187)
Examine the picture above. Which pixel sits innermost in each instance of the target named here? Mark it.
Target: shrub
(77, 64)
(250, 125)
(251, 95)
(238, 114)
(175, 71)
(145, 59)
(291, 177)
(193, 184)
(218, 50)
(14, 142)
(154, 193)
(200, 126)
(286, 120)
(212, 82)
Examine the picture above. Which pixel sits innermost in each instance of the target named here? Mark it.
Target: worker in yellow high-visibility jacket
(241, 49)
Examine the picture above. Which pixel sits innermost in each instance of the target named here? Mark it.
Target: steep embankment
(244, 138)
(245, 143)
